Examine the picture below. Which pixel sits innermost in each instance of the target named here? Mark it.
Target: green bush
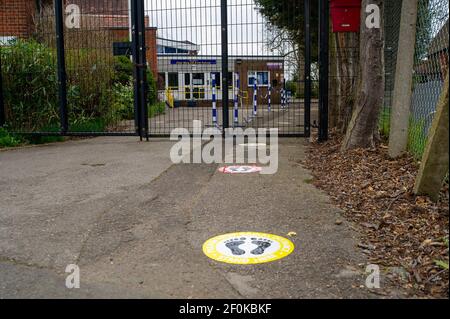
(292, 86)
(123, 74)
(156, 109)
(7, 140)
(122, 102)
(30, 85)
(123, 70)
(89, 76)
(99, 88)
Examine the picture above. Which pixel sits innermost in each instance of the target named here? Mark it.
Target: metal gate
(147, 67)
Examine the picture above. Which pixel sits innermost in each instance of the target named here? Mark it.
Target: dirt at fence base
(406, 235)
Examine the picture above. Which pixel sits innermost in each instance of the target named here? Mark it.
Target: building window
(198, 93)
(187, 85)
(198, 78)
(173, 81)
(170, 50)
(261, 76)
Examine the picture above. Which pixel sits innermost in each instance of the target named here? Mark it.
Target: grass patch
(416, 137)
(385, 122)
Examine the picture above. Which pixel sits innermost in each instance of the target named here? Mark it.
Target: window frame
(168, 81)
(251, 74)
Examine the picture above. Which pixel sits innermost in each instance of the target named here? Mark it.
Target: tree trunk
(333, 104)
(343, 74)
(362, 129)
(347, 63)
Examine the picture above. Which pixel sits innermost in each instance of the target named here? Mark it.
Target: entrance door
(198, 86)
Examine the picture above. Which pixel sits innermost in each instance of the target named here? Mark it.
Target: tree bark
(362, 129)
(333, 104)
(343, 74)
(347, 63)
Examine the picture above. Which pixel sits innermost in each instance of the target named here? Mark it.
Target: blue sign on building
(185, 61)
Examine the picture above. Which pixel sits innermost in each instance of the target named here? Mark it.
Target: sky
(198, 21)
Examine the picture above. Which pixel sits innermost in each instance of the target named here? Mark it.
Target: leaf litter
(405, 234)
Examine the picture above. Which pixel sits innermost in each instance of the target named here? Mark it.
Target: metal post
(2, 102)
(323, 70)
(62, 75)
(400, 113)
(136, 72)
(255, 98)
(307, 68)
(142, 67)
(225, 97)
(214, 100)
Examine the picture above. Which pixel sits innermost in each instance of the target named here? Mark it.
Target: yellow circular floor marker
(247, 248)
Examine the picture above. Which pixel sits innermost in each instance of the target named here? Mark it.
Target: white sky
(198, 21)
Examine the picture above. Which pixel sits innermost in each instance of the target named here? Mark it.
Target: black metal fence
(92, 67)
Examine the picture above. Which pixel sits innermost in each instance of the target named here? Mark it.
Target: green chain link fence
(430, 66)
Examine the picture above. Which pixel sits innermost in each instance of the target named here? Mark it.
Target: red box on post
(346, 15)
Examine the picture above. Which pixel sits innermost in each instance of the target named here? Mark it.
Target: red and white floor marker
(257, 145)
(240, 169)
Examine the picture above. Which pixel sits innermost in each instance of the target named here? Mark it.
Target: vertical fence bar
(2, 101)
(225, 75)
(142, 66)
(214, 100)
(62, 75)
(307, 83)
(136, 73)
(255, 98)
(323, 69)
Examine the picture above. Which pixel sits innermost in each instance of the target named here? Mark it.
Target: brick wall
(108, 7)
(16, 17)
(261, 65)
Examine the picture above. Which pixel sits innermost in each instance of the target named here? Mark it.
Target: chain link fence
(430, 67)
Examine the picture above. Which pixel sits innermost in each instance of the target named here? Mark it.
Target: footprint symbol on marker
(233, 245)
(262, 244)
